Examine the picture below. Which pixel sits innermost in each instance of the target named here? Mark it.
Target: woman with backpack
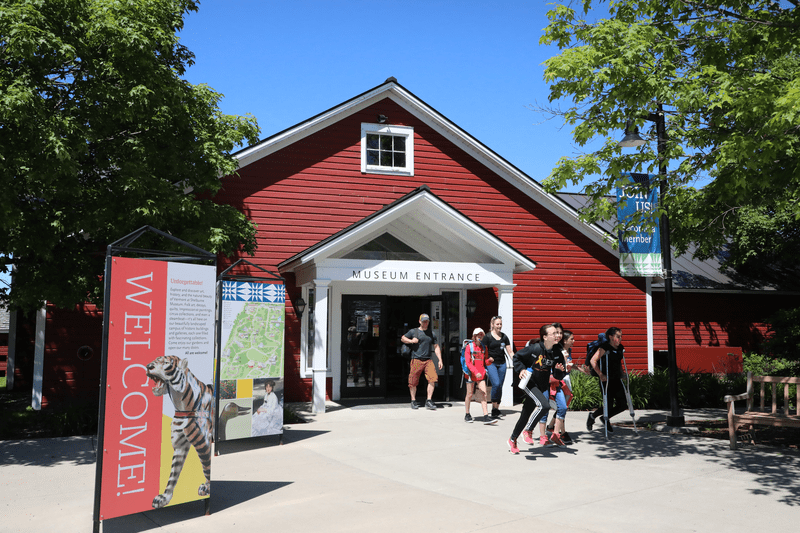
(475, 359)
(538, 358)
(607, 365)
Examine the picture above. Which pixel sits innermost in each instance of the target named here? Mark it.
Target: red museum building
(380, 208)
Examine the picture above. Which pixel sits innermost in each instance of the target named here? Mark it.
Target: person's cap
(424, 317)
(477, 331)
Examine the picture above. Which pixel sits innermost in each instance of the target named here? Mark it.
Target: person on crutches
(607, 363)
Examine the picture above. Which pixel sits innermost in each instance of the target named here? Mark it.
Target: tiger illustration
(193, 422)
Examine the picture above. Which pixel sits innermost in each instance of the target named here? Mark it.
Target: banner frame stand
(117, 248)
(224, 276)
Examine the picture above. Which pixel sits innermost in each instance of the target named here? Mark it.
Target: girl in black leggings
(542, 358)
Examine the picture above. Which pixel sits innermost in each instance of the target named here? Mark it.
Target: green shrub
(586, 392)
(766, 365)
(640, 389)
(651, 391)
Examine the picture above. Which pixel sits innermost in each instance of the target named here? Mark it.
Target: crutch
(605, 398)
(627, 388)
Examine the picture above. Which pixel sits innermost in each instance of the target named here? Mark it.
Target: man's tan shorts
(418, 366)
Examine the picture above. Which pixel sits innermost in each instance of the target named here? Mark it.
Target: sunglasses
(496, 317)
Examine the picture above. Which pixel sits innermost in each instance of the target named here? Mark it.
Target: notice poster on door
(159, 377)
(251, 360)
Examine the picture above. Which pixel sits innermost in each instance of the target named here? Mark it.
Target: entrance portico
(418, 246)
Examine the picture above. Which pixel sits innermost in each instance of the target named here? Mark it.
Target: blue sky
(479, 63)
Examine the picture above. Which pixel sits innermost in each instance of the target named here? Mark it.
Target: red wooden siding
(314, 188)
(66, 376)
(3, 354)
(713, 319)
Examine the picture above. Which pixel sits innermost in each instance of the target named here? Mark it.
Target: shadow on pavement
(290, 436)
(771, 467)
(225, 495)
(49, 452)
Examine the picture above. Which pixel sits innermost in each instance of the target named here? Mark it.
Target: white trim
(505, 308)
(38, 358)
(396, 131)
(322, 292)
(648, 299)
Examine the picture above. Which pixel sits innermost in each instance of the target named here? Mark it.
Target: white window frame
(397, 131)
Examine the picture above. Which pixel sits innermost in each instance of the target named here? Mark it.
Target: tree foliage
(784, 335)
(99, 136)
(728, 77)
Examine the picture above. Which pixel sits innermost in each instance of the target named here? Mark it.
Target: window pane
(311, 328)
(386, 159)
(399, 159)
(372, 157)
(372, 141)
(399, 144)
(386, 142)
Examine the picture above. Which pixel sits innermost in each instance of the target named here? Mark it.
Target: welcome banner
(251, 365)
(639, 254)
(159, 371)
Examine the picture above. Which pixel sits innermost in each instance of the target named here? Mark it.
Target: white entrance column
(319, 358)
(648, 295)
(505, 308)
(38, 359)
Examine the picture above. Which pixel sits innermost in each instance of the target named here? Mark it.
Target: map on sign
(252, 339)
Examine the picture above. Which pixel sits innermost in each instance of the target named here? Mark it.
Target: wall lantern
(472, 305)
(299, 307)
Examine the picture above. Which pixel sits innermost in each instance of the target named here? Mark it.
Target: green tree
(99, 136)
(727, 74)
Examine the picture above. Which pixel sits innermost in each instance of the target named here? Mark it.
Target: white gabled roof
(439, 232)
(407, 100)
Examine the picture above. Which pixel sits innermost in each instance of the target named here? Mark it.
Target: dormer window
(387, 149)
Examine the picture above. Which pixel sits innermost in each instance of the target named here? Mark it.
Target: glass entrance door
(363, 346)
(372, 366)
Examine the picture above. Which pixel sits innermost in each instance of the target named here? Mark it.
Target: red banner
(133, 415)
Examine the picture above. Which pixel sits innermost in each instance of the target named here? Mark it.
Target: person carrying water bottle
(534, 364)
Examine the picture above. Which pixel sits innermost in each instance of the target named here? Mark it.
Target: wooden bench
(761, 416)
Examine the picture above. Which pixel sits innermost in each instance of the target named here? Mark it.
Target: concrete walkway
(390, 469)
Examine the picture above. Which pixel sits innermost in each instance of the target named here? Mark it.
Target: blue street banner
(639, 254)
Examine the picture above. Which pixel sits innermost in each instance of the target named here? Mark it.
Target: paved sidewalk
(390, 469)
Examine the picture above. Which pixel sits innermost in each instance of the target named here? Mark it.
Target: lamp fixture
(472, 305)
(299, 307)
(632, 138)
(382, 119)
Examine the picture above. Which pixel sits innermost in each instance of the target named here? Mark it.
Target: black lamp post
(632, 140)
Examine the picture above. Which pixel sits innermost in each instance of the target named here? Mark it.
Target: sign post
(156, 399)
